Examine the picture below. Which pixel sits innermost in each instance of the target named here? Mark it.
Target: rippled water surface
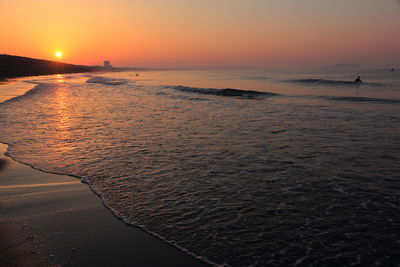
(285, 169)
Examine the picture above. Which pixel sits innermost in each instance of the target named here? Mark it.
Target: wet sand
(48, 219)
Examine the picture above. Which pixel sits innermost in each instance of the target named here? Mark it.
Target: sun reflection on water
(60, 78)
(63, 119)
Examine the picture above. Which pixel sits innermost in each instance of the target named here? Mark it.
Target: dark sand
(55, 220)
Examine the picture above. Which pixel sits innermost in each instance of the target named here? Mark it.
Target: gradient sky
(204, 32)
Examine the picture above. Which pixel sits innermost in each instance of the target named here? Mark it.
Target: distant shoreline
(16, 67)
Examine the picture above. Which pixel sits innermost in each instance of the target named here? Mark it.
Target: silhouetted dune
(15, 66)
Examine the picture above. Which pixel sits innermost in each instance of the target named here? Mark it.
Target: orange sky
(207, 32)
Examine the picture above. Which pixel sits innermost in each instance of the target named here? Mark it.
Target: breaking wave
(224, 92)
(257, 78)
(106, 81)
(361, 99)
(329, 82)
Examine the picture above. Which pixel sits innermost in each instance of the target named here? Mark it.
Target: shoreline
(49, 219)
(16, 66)
(12, 67)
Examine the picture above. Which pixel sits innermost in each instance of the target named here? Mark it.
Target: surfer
(358, 80)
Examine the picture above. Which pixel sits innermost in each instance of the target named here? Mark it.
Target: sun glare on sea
(58, 54)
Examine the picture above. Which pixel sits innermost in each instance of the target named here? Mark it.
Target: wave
(86, 180)
(330, 82)
(106, 81)
(223, 92)
(37, 89)
(361, 99)
(259, 78)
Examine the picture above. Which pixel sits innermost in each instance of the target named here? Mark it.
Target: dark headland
(16, 66)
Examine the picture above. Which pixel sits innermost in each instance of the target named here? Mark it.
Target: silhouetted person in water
(358, 80)
(392, 69)
(3, 164)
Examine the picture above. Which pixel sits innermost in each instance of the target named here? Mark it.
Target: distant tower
(107, 64)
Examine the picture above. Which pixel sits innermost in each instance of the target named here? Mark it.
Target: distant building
(107, 64)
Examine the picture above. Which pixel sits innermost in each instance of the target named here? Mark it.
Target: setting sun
(58, 54)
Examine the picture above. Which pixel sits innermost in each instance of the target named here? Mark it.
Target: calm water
(295, 168)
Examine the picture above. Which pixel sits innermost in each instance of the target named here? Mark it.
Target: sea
(234, 167)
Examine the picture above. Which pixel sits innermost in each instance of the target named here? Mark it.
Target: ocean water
(242, 168)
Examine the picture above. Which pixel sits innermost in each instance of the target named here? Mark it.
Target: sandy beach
(48, 219)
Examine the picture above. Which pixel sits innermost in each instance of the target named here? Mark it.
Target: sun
(59, 54)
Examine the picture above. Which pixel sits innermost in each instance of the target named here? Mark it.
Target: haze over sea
(291, 168)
